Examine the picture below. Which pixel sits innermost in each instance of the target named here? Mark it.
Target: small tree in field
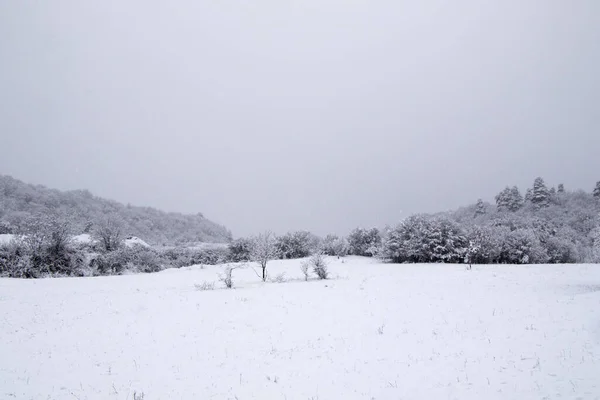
(263, 250)
(319, 265)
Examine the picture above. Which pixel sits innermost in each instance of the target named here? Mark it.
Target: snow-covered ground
(6, 238)
(84, 238)
(135, 241)
(373, 332)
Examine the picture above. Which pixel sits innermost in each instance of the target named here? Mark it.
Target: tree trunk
(264, 268)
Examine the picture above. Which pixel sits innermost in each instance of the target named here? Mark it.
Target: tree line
(546, 225)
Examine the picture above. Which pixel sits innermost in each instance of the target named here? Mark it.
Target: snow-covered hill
(373, 332)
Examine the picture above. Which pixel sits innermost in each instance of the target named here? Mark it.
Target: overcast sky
(312, 114)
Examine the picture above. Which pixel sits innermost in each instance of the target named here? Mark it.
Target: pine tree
(540, 193)
(516, 200)
(528, 195)
(503, 200)
(596, 191)
(480, 208)
(561, 188)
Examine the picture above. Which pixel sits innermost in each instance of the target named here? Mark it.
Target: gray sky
(315, 114)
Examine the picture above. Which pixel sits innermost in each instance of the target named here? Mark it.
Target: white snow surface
(84, 238)
(6, 238)
(132, 241)
(374, 331)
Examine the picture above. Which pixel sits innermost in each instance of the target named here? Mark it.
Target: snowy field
(375, 331)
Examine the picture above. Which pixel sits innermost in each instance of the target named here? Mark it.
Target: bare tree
(263, 250)
(109, 232)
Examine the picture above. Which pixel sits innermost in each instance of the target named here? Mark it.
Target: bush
(364, 242)
(239, 250)
(305, 268)
(205, 286)
(184, 257)
(22, 259)
(319, 265)
(334, 246)
(295, 245)
(134, 259)
(227, 276)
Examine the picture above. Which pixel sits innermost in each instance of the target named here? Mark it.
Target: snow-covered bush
(227, 276)
(298, 244)
(305, 268)
(318, 262)
(130, 259)
(205, 286)
(364, 242)
(333, 245)
(179, 257)
(239, 250)
(108, 231)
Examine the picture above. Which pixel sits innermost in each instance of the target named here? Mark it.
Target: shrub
(334, 246)
(227, 276)
(280, 278)
(294, 245)
(319, 265)
(239, 250)
(134, 259)
(205, 286)
(363, 242)
(184, 257)
(305, 268)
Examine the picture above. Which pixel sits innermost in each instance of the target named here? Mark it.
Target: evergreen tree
(561, 188)
(480, 208)
(540, 193)
(596, 191)
(503, 200)
(516, 200)
(528, 195)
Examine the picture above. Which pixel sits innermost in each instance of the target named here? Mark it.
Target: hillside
(19, 202)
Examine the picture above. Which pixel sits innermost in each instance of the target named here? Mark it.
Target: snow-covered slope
(374, 332)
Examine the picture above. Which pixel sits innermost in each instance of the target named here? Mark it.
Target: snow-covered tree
(528, 195)
(364, 242)
(516, 200)
(239, 249)
(509, 199)
(561, 188)
(541, 194)
(295, 245)
(446, 240)
(503, 200)
(596, 191)
(480, 208)
(333, 245)
(109, 232)
(595, 235)
(485, 240)
(263, 251)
